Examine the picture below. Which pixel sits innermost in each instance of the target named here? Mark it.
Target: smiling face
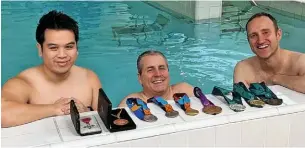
(154, 75)
(263, 37)
(59, 50)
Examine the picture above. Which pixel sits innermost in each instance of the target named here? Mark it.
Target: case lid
(104, 108)
(75, 116)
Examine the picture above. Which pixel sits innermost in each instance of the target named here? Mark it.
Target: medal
(150, 118)
(172, 114)
(258, 103)
(185, 103)
(119, 121)
(237, 107)
(169, 111)
(212, 110)
(191, 112)
(274, 101)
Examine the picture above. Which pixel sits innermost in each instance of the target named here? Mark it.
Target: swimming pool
(203, 56)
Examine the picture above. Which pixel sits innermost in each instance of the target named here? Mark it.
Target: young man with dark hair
(46, 90)
(153, 75)
(271, 64)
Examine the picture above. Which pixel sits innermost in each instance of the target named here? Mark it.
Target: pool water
(200, 54)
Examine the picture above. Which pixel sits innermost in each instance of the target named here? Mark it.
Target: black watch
(90, 108)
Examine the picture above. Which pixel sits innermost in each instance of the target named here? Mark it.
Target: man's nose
(62, 53)
(157, 73)
(261, 39)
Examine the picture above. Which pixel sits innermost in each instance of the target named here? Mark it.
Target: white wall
(194, 10)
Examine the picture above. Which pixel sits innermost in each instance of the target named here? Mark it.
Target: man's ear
(139, 78)
(39, 49)
(279, 34)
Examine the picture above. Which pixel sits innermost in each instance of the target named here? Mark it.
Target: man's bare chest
(50, 94)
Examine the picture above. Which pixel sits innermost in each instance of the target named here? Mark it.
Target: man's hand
(62, 106)
(80, 106)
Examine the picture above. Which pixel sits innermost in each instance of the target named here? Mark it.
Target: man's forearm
(14, 113)
(296, 83)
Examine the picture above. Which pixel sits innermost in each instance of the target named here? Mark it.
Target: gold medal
(212, 110)
(191, 112)
(257, 103)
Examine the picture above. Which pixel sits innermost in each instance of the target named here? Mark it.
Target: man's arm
(297, 82)
(96, 85)
(185, 88)
(123, 102)
(241, 73)
(14, 108)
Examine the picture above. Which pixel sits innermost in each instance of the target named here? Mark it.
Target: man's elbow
(7, 120)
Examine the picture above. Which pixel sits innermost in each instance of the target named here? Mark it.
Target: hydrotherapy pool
(199, 54)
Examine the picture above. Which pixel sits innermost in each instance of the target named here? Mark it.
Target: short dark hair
(146, 53)
(260, 14)
(55, 20)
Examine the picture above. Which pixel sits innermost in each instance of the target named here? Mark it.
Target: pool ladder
(236, 16)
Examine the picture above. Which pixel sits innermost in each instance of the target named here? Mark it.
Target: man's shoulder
(296, 55)
(29, 72)
(133, 95)
(78, 69)
(246, 63)
(297, 59)
(88, 75)
(87, 71)
(181, 86)
(26, 76)
(244, 70)
(20, 82)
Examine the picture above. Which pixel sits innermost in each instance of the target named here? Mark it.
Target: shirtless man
(153, 75)
(272, 64)
(46, 90)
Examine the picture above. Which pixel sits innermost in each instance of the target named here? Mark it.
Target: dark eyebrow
(71, 43)
(52, 44)
(265, 29)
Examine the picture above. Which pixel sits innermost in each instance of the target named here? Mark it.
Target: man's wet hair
(146, 53)
(57, 21)
(260, 14)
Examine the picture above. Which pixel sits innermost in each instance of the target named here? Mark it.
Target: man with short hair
(153, 75)
(46, 90)
(271, 64)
